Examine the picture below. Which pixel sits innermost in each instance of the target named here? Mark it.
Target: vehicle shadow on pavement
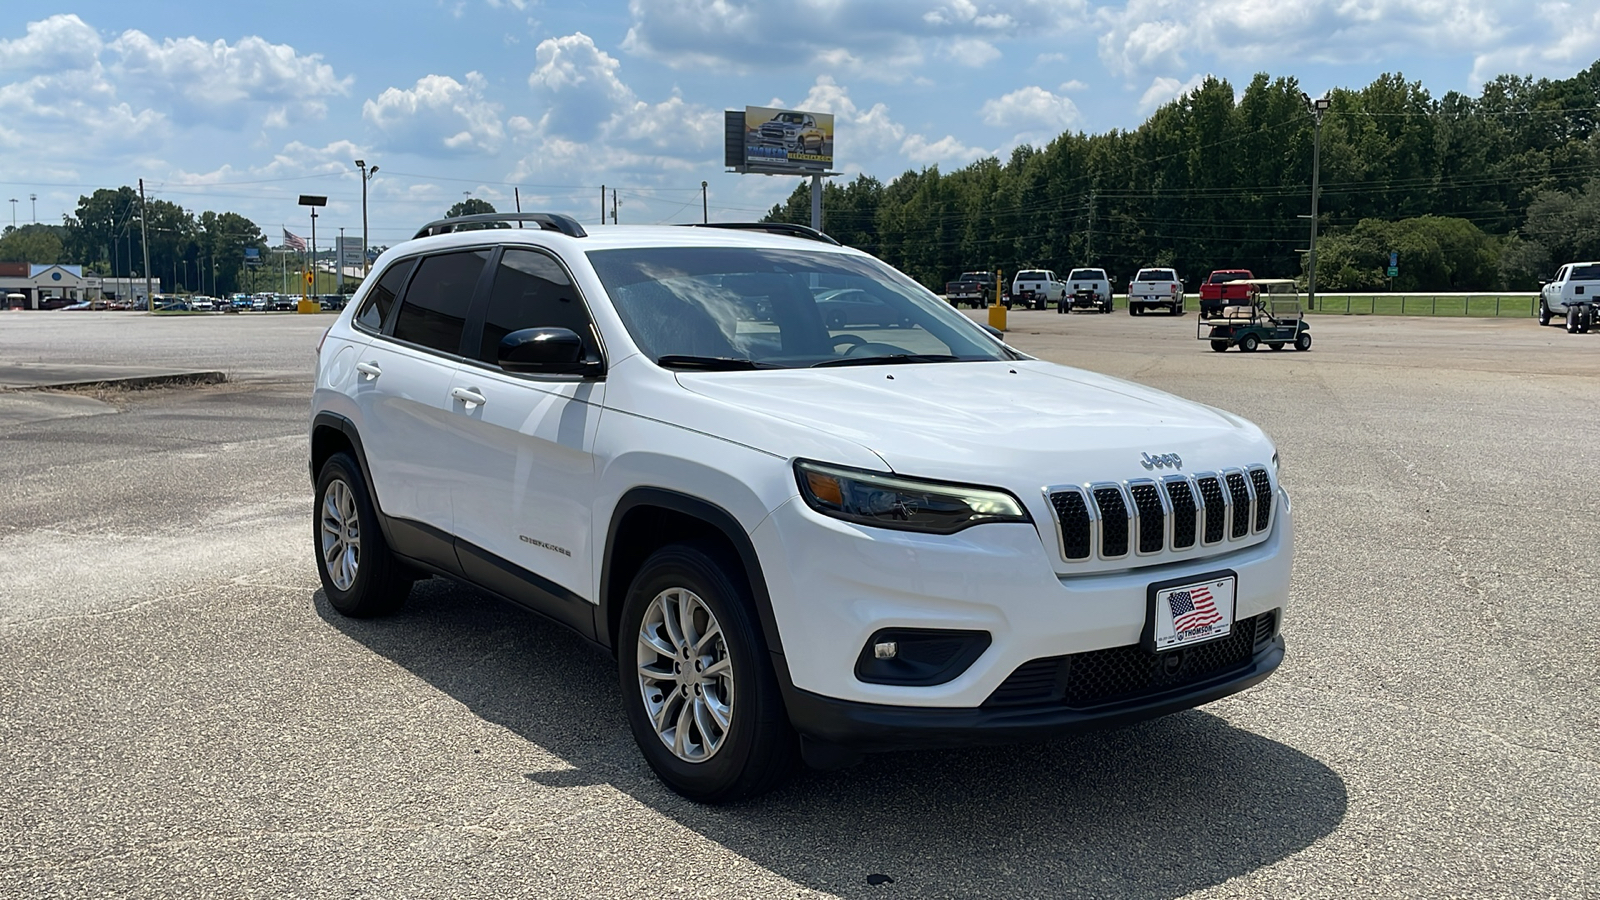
(1160, 809)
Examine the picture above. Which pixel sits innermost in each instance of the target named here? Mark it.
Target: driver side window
(531, 290)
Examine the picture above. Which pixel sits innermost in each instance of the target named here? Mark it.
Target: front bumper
(879, 727)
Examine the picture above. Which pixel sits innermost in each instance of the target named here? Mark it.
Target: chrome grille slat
(1151, 517)
(1115, 518)
(1262, 482)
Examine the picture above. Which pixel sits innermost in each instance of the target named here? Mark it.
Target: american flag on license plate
(1192, 609)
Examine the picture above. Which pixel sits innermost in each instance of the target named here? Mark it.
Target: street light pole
(366, 175)
(34, 199)
(13, 213)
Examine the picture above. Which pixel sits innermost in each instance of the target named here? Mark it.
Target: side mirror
(545, 351)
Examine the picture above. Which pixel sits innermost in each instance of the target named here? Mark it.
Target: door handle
(371, 370)
(468, 396)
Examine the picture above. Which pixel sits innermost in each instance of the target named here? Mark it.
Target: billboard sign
(781, 141)
(350, 252)
(252, 256)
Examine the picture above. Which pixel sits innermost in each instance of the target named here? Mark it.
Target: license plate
(1190, 612)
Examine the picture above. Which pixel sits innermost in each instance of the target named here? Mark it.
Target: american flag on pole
(1192, 609)
(293, 241)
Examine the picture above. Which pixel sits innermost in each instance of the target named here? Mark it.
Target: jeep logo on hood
(1164, 461)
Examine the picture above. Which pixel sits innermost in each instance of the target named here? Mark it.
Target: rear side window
(434, 309)
(375, 311)
(531, 291)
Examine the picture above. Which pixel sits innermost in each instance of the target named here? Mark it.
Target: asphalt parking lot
(181, 714)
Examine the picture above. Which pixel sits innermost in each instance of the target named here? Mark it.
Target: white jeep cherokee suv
(796, 540)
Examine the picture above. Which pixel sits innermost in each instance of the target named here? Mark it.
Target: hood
(1021, 425)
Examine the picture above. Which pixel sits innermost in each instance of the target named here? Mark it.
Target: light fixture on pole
(1318, 107)
(366, 175)
(313, 201)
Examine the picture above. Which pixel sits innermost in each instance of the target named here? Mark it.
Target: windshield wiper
(890, 360)
(711, 363)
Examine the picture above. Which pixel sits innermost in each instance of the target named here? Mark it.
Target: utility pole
(602, 204)
(613, 206)
(144, 240)
(1089, 251)
(705, 210)
(1318, 107)
(338, 255)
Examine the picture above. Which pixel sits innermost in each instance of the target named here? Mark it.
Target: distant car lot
(182, 709)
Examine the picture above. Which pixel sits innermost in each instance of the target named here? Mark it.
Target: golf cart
(1273, 316)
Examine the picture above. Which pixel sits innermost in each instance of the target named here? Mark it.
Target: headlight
(889, 501)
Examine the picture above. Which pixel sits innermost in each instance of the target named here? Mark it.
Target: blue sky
(241, 107)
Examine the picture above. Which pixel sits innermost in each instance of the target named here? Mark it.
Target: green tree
(40, 244)
(471, 206)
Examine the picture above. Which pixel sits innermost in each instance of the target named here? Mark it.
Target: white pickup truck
(1090, 289)
(1156, 289)
(1577, 284)
(1038, 289)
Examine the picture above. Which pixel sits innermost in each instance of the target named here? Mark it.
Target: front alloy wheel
(685, 675)
(341, 534)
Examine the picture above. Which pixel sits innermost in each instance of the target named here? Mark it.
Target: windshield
(1154, 275)
(1225, 277)
(1087, 275)
(739, 307)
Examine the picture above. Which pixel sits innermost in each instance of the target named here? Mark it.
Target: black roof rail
(567, 225)
(783, 228)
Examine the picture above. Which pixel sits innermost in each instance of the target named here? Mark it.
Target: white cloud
(1068, 87)
(947, 149)
(51, 45)
(579, 84)
(1159, 36)
(869, 38)
(1163, 89)
(439, 116)
(1575, 42)
(201, 79)
(1031, 109)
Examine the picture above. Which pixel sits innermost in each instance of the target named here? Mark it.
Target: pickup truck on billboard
(787, 140)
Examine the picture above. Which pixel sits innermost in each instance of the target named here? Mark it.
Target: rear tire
(1249, 343)
(360, 575)
(723, 733)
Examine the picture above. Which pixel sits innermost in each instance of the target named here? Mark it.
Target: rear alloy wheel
(697, 681)
(1219, 346)
(359, 575)
(1249, 343)
(1303, 341)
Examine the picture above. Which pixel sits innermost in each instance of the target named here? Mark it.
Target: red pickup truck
(1219, 291)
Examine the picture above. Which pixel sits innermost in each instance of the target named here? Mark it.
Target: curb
(135, 381)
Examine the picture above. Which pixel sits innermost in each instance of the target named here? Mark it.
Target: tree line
(1490, 192)
(188, 252)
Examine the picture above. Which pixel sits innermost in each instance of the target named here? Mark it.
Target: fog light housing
(919, 657)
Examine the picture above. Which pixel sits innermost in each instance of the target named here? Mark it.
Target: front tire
(1544, 313)
(1303, 341)
(697, 680)
(360, 576)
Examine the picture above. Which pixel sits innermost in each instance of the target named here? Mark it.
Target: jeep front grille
(1146, 517)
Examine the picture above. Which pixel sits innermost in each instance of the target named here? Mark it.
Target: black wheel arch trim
(347, 428)
(722, 521)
